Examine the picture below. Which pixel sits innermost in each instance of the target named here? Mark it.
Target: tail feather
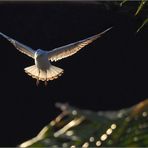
(49, 74)
(43, 75)
(34, 71)
(30, 69)
(55, 72)
(58, 70)
(52, 73)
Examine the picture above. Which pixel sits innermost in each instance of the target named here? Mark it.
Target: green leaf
(124, 1)
(82, 128)
(143, 2)
(143, 24)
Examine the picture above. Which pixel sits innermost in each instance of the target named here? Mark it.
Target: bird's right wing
(22, 48)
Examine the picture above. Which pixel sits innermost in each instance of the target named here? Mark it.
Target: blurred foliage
(82, 128)
(138, 9)
(141, 5)
(143, 24)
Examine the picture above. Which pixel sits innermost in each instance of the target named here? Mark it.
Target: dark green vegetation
(142, 6)
(82, 128)
(139, 9)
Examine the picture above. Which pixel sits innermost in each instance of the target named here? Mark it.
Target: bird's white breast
(42, 61)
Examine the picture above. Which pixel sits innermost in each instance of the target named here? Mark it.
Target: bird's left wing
(22, 48)
(70, 49)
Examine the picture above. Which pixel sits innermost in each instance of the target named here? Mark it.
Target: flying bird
(43, 69)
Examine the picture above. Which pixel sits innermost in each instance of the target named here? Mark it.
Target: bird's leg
(38, 81)
(46, 80)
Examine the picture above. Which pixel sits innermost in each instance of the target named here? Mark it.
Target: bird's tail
(51, 73)
(54, 72)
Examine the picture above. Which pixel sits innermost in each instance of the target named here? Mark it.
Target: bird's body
(43, 69)
(41, 59)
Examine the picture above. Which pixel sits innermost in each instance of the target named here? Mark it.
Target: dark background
(109, 74)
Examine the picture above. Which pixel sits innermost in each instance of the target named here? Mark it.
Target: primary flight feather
(43, 70)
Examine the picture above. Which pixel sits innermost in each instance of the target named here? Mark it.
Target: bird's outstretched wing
(22, 48)
(70, 49)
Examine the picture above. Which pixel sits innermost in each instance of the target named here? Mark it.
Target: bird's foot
(46, 83)
(37, 82)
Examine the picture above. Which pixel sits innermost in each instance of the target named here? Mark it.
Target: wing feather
(70, 49)
(22, 48)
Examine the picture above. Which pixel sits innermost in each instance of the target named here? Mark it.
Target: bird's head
(39, 53)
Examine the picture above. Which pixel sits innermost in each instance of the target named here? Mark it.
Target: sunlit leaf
(124, 1)
(143, 24)
(143, 2)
